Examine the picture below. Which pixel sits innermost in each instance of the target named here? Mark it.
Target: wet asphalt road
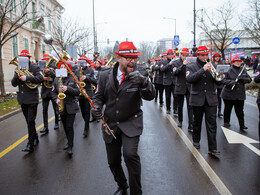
(168, 166)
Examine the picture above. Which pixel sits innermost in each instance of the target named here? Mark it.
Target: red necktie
(123, 77)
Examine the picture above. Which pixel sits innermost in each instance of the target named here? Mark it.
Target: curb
(10, 114)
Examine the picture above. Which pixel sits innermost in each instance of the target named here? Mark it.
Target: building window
(50, 49)
(26, 43)
(15, 46)
(33, 10)
(24, 4)
(13, 5)
(43, 49)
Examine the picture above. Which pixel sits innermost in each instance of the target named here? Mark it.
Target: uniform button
(22, 92)
(117, 111)
(22, 85)
(117, 99)
(136, 116)
(117, 123)
(205, 83)
(205, 90)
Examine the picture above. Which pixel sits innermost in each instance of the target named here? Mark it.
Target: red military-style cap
(157, 59)
(46, 57)
(185, 51)
(216, 54)
(202, 50)
(127, 48)
(59, 64)
(25, 53)
(236, 59)
(170, 51)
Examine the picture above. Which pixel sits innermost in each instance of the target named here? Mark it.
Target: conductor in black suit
(28, 98)
(122, 89)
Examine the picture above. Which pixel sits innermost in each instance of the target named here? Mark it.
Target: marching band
(120, 87)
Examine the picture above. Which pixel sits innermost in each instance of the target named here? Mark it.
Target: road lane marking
(14, 145)
(220, 186)
(251, 104)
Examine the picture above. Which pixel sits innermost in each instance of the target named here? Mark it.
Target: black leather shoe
(243, 127)
(220, 115)
(44, 131)
(190, 128)
(161, 105)
(66, 147)
(56, 126)
(227, 125)
(69, 151)
(179, 124)
(29, 148)
(36, 141)
(168, 112)
(85, 133)
(120, 191)
(196, 145)
(213, 152)
(175, 113)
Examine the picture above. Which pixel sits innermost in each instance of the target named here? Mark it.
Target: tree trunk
(2, 81)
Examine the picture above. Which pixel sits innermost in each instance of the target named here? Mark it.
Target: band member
(257, 80)
(233, 93)
(169, 82)
(155, 66)
(182, 88)
(86, 76)
(203, 99)
(216, 60)
(28, 98)
(122, 89)
(106, 60)
(46, 94)
(158, 78)
(68, 107)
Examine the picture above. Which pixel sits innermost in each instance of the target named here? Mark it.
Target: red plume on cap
(202, 50)
(127, 48)
(25, 53)
(236, 59)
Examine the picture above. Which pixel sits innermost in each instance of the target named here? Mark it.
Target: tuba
(25, 72)
(49, 83)
(61, 96)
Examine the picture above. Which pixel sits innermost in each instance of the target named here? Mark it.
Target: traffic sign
(236, 40)
(176, 37)
(176, 43)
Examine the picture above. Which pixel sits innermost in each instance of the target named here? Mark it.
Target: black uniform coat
(179, 71)
(168, 77)
(158, 73)
(203, 86)
(45, 92)
(123, 103)
(25, 95)
(70, 102)
(257, 80)
(90, 78)
(238, 93)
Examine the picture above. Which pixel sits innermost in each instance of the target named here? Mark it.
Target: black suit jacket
(123, 103)
(203, 86)
(168, 77)
(25, 95)
(46, 92)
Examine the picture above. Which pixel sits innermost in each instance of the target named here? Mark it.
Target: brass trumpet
(49, 82)
(218, 76)
(25, 72)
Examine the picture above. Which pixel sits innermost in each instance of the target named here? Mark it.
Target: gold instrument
(93, 87)
(49, 83)
(109, 63)
(25, 72)
(218, 76)
(82, 84)
(61, 96)
(64, 56)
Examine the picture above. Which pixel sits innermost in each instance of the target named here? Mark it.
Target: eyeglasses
(130, 58)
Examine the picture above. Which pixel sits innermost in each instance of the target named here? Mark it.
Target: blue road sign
(176, 43)
(236, 40)
(176, 37)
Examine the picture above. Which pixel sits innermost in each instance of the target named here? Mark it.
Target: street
(170, 164)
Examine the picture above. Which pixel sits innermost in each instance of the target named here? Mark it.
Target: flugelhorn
(218, 76)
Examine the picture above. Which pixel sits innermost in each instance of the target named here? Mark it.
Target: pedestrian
(28, 97)
(233, 93)
(203, 99)
(46, 93)
(257, 80)
(169, 83)
(155, 67)
(216, 60)
(182, 88)
(121, 89)
(87, 78)
(255, 64)
(68, 107)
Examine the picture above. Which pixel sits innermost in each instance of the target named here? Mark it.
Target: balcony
(38, 26)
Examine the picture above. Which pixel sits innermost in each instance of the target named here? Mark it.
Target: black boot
(56, 126)
(179, 124)
(36, 141)
(190, 128)
(92, 120)
(69, 151)
(29, 148)
(44, 131)
(85, 132)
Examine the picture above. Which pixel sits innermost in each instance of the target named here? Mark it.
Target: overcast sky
(140, 20)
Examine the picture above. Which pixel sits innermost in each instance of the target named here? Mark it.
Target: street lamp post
(94, 30)
(194, 49)
(174, 23)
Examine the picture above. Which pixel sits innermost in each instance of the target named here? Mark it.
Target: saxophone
(61, 96)
(82, 84)
(49, 83)
(25, 72)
